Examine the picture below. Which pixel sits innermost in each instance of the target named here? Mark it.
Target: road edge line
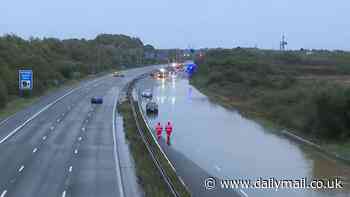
(42, 110)
(116, 155)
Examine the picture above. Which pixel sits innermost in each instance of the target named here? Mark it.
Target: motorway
(211, 141)
(64, 146)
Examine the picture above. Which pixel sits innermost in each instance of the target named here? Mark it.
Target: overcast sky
(183, 23)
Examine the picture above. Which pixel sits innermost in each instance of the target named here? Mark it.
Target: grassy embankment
(148, 175)
(308, 92)
(17, 103)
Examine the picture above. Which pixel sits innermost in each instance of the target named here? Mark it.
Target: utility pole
(283, 43)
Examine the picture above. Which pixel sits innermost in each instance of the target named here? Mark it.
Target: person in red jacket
(169, 130)
(159, 130)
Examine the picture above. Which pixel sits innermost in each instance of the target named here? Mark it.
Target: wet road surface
(69, 148)
(209, 140)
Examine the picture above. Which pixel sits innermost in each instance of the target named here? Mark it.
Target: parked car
(147, 94)
(152, 107)
(96, 100)
(118, 74)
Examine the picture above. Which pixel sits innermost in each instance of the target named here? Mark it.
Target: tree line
(55, 61)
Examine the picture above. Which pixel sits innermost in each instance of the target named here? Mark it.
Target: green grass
(16, 105)
(179, 187)
(148, 176)
(19, 103)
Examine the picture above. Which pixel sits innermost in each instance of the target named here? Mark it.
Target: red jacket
(169, 129)
(159, 129)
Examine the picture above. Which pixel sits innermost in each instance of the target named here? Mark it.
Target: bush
(3, 94)
(331, 118)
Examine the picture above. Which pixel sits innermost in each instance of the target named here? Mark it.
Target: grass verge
(174, 179)
(148, 176)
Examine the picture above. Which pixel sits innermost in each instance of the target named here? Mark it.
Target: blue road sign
(25, 79)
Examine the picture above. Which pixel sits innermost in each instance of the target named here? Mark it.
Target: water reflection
(228, 145)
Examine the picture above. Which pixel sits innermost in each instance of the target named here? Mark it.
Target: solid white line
(117, 166)
(21, 168)
(245, 194)
(70, 168)
(76, 151)
(34, 150)
(64, 193)
(3, 193)
(35, 115)
(154, 138)
(44, 109)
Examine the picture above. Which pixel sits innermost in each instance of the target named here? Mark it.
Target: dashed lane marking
(3, 194)
(243, 192)
(21, 168)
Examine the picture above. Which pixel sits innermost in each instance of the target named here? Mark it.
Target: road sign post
(25, 80)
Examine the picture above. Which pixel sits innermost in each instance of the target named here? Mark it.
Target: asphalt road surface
(64, 146)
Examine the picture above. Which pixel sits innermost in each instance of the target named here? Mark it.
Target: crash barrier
(174, 182)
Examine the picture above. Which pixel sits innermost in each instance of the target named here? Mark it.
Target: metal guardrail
(148, 146)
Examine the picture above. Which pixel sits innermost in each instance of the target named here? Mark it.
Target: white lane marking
(243, 192)
(80, 138)
(44, 138)
(154, 138)
(36, 115)
(76, 151)
(34, 150)
(21, 168)
(46, 108)
(3, 194)
(117, 165)
(64, 193)
(217, 168)
(70, 168)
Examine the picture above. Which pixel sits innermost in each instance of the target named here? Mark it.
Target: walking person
(159, 130)
(169, 130)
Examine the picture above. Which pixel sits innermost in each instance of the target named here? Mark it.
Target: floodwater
(224, 144)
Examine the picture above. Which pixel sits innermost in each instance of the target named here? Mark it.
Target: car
(147, 94)
(118, 74)
(152, 107)
(96, 100)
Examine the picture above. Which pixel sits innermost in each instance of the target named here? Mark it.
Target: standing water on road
(224, 144)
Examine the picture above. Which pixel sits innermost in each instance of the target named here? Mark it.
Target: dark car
(96, 100)
(152, 107)
(147, 94)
